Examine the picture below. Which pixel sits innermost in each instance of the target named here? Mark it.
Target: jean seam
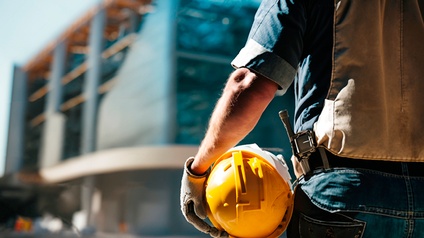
(345, 224)
(410, 200)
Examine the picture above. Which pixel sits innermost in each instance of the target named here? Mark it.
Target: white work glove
(193, 204)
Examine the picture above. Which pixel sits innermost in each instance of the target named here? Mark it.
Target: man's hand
(193, 205)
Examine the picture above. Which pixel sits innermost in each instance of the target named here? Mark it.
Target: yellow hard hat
(248, 193)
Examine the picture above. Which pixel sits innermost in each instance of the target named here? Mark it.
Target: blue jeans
(345, 202)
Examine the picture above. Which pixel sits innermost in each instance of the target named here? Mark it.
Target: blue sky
(27, 26)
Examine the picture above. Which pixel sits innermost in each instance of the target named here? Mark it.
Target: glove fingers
(200, 210)
(196, 221)
(205, 227)
(190, 206)
(219, 233)
(201, 225)
(193, 205)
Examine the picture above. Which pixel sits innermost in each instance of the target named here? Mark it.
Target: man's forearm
(245, 97)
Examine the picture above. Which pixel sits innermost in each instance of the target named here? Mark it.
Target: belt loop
(324, 158)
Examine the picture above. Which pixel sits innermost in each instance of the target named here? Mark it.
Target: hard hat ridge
(249, 193)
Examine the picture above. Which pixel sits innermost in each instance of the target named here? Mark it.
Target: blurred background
(101, 103)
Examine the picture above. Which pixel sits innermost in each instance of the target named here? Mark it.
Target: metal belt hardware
(303, 143)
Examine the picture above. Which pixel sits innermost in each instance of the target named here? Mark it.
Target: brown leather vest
(375, 106)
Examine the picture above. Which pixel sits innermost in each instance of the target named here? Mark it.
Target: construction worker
(357, 69)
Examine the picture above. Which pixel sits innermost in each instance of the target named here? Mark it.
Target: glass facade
(209, 34)
(215, 28)
(115, 48)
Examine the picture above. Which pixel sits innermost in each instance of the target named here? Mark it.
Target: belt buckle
(304, 144)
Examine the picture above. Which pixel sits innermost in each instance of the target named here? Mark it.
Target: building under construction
(103, 118)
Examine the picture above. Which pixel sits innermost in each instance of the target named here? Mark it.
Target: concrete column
(55, 95)
(54, 125)
(16, 134)
(90, 108)
(145, 80)
(91, 84)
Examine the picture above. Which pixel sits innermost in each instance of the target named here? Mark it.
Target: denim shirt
(358, 68)
(292, 40)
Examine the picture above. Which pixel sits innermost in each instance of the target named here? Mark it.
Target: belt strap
(324, 158)
(307, 167)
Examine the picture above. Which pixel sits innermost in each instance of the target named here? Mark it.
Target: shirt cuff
(257, 58)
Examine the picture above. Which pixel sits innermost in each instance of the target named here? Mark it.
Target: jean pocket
(309, 227)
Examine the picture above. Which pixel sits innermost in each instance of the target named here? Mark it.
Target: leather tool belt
(315, 158)
(303, 144)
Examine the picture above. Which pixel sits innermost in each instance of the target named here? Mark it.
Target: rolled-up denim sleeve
(275, 43)
(257, 58)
